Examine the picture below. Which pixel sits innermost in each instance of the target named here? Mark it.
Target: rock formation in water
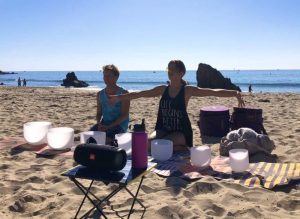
(72, 81)
(209, 77)
(6, 73)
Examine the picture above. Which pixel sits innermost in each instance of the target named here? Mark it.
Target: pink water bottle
(139, 146)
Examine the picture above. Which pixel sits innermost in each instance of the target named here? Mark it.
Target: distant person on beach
(19, 82)
(172, 120)
(24, 82)
(111, 118)
(250, 88)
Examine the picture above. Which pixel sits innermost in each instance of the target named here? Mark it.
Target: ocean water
(261, 80)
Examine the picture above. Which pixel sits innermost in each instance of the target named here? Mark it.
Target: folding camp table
(123, 178)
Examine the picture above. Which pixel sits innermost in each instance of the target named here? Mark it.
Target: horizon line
(266, 69)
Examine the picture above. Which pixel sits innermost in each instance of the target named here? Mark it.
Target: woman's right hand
(102, 128)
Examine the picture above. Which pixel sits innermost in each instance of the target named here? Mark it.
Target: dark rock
(209, 77)
(6, 73)
(72, 81)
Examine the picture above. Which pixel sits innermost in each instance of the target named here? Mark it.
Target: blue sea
(261, 80)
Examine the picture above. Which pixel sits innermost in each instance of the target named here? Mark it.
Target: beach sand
(33, 187)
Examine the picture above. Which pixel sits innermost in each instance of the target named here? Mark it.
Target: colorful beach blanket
(10, 142)
(47, 151)
(262, 174)
(17, 145)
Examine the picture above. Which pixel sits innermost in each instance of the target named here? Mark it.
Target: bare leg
(179, 143)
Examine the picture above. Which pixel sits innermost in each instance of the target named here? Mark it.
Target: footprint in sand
(20, 204)
(255, 196)
(297, 130)
(122, 205)
(35, 179)
(204, 187)
(214, 210)
(34, 198)
(247, 213)
(55, 179)
(46, 209)
(168, 212)
(147, 189)
(4, 166)
(289, 205)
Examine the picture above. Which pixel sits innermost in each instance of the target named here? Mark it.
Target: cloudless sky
(147, 34)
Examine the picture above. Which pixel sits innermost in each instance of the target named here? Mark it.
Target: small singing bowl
(60, 138)
(239, 160)
(161, 149)
(200, 156)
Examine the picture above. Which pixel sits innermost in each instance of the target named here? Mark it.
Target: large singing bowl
(35, 133)
(161, 149)
(60, 138)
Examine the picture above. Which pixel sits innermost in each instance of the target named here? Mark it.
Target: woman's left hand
(240, 99)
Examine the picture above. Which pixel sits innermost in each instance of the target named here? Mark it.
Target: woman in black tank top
(172, 120)
(172, 116)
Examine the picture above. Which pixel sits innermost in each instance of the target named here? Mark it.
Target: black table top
(124, 176)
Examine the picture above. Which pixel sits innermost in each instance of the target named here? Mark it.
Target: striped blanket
(262, 174)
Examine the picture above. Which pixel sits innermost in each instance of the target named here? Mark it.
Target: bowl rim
(89, 132)
(197, 148)
(162, 140)
(27, 124)
(125, 133)
(64, 129)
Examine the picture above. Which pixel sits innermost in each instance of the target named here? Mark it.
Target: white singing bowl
(35, 133)
(239, 160)
(100, 137)
(200, 156)
(161, 149)
(60, 138)
(125, 141)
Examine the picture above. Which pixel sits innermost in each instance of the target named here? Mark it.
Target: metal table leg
(87, 193)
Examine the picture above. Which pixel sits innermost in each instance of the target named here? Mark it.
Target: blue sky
(147, 34)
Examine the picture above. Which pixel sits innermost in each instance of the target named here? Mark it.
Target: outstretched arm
(154, 92)
(202, 92)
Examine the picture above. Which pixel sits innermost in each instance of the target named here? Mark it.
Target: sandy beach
(32, 187)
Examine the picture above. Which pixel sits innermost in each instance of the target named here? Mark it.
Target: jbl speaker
(101, 157)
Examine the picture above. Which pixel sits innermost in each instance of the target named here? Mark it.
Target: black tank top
(172, 115)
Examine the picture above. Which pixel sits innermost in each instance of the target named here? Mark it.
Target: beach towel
(261, 174)
(10, 142)
(49, 152)
(17, 145)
